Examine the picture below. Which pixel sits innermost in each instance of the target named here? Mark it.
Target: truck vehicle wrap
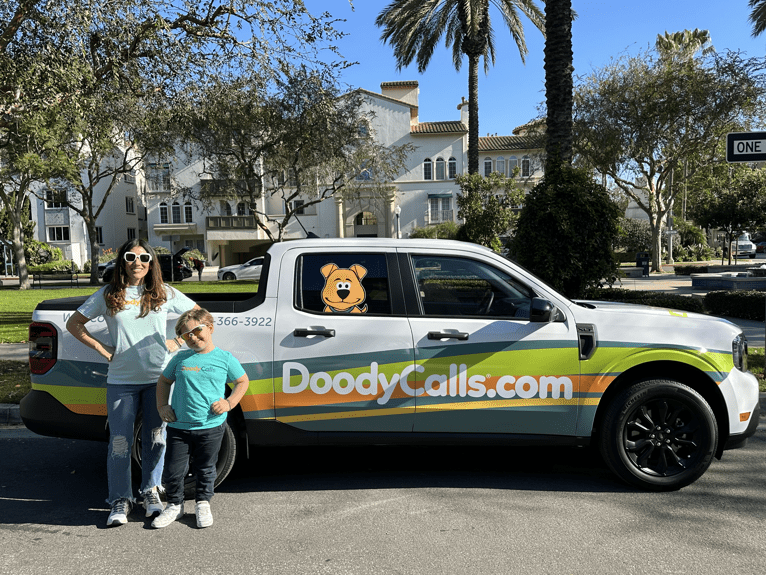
(421, 341)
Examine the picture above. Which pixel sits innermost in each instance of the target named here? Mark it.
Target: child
(197, 418)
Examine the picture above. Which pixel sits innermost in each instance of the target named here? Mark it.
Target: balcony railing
(231, 222)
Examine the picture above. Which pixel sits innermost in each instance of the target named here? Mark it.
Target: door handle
(306, 332)
(459, 335)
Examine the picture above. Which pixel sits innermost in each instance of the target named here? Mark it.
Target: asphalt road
(383, 510)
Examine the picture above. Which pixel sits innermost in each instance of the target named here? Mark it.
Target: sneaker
(119, 514)
(203, 513)
(168, 515)
(152, 502)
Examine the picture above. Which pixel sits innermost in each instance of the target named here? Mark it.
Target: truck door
(483, 365)
(343, 351)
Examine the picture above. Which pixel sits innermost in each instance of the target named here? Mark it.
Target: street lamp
(398, 212)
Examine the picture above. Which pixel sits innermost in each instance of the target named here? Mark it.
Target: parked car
(744, 248)
(250, 270)
(182, 269)
(760, 247)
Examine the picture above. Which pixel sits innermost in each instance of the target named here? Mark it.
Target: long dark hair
(154, 288)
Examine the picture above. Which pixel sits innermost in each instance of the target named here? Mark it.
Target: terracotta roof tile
(400, 84)
(439, 128)
(497, 143)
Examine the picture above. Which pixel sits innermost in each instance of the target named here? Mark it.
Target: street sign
(746, 147)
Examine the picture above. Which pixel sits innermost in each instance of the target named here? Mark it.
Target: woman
(135, 307)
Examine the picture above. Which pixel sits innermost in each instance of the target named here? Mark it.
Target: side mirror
(543, 311)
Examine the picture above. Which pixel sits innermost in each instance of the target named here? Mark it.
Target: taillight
(42, 347)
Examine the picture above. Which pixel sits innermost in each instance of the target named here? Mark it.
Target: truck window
(343, 283)
(450, 286)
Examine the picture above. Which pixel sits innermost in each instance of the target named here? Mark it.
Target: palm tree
(558, 82)
(684, 45)
(414, 27)
(758, 16)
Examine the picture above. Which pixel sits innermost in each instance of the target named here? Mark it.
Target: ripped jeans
(123, 403)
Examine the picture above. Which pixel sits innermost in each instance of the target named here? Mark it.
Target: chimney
(463, 107)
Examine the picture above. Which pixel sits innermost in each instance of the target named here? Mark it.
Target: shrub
(59, 266)
(740, 304)
(689, 270)
(37, 253)
(651, 298)
(444, 231)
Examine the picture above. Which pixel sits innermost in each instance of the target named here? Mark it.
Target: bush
(740, 304)
(566, 231)
(59, 266)
(651, 298)
(444, 231)
(689, 270)
(37, 253)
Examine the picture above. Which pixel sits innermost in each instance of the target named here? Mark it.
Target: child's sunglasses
(196, 331)
(130, 257)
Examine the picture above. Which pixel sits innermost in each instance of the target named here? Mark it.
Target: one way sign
(746, 147)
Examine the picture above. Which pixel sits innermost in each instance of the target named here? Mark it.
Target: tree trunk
(558, 82)
(656, 227)
(94, 252)
(473, 114)
(18, 250)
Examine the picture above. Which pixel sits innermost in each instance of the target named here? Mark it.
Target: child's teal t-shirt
(200, 380)
(140, 351)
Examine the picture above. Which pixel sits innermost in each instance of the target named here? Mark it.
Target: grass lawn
(16, 306)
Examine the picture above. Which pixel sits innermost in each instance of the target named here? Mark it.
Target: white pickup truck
(422, 341)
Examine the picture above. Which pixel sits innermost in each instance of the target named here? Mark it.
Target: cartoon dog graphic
(343, 291)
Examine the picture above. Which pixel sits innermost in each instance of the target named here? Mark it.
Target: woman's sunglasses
(196, 331)
(130, 257)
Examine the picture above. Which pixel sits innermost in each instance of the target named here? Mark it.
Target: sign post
(746, 147)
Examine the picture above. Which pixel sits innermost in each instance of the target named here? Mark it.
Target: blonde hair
(200, 315)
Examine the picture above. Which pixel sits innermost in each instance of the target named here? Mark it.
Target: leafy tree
(635, 235)
(684, 45)
(579, 254)
(303, 140)
(731, 198)
(638, 120)
(414, 27)
(485, 205)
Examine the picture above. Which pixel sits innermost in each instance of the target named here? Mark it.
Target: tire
(226, 459)
(659, 435)
(228, 276)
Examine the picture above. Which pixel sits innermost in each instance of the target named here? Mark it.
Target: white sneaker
(119, 514)
(203, 513)
(152, 502)
(168, 515)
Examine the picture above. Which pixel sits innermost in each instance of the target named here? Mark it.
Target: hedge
(741, 304)
(59, 266)
(652, 298)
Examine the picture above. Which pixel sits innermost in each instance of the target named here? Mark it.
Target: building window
(427, 169)
(452, 168)
(159, 177)
(176, 213)
(439, 168)
(500, 165)
(55, 199)
(513, 163)
(366, 219)
(487, 166)
(163, 213)
(130, 207)
(131, 234)
(99, 235)
(188, 213)
(525, 169)
(365, 174)
(439, 210)
(58, 234)
(225, 208)
(298, 206)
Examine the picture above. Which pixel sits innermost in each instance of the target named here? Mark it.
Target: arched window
(500, 165)
(525, 167)
(487, 166)
(427, 169)
(188, 212)
(513, 163)
(366, 219)
(452, 169)
(176, 212)
(225, 208)
(163, 213)
(439, 168)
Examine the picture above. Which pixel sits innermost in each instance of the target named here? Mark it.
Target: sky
(511, 93)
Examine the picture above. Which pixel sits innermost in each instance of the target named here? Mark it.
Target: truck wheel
(226, 458)
(659, 435)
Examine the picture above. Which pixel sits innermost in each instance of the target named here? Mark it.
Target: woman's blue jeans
(123, 404)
